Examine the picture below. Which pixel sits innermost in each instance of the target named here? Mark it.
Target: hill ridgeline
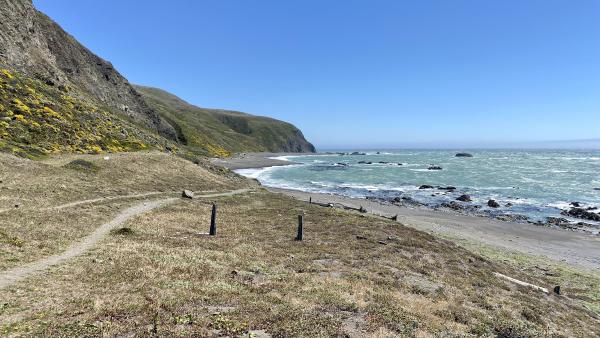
(57, 96)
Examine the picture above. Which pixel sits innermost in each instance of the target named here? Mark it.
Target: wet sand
(252, 160)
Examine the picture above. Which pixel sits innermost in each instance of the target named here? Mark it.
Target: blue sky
(365, 73)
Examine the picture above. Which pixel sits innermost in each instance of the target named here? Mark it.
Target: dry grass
(36, 228)
(162, 278)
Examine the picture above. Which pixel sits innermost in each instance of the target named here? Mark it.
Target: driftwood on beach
(518, 282)
(361, 209)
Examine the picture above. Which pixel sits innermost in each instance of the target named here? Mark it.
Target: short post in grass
(299, 235)
(213, 220)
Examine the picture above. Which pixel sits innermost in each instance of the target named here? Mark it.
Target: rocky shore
(579, 217)
(572, 247)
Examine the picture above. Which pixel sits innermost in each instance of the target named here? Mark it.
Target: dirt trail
(14, 275)
(101, 199)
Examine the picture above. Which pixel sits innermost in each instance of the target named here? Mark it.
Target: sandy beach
(565, 246)
(252, 160)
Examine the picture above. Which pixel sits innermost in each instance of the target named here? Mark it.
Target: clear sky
(364, 73)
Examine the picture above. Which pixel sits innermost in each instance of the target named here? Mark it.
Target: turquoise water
(537, 183)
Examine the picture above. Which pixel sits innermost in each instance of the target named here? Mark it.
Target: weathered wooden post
(310, 200)
(300, 227)
(213, 220)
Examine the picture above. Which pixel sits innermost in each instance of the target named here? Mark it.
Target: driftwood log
(518, 282)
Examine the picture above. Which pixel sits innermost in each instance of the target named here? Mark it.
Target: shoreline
(570, 247)
(254, 160)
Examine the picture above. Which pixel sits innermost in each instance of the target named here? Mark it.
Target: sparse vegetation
(82, 165)
(166, 279)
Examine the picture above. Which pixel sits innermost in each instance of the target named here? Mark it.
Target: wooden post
(213, 220)
(300, 227)
(310, 200)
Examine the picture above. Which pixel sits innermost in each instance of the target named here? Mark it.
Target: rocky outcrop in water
(434, 167)
(493, 204)
(464, 198)
(463, 155)
(582, 213)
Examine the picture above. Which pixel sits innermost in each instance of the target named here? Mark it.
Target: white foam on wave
(253, 172)
(282, 158)
(560, 205)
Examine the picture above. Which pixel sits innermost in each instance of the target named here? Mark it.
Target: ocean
(533, 183)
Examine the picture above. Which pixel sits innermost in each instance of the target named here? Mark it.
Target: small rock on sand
(187, 194)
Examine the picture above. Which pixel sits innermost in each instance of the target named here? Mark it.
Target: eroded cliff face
(57, 96)
(31, 43)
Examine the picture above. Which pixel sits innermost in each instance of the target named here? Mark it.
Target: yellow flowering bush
(6, 73)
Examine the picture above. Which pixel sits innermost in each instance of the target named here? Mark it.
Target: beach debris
(512, 218)
(518, 282)
(464, 198)
(452, 205)
(463, 155)
(434, 167)
(556, 220)
(187, 194)
(493, 204)
(425, 186)
(382, 243)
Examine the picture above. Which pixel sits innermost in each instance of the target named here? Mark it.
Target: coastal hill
(231, 131)
(57, 96)
(104, 224)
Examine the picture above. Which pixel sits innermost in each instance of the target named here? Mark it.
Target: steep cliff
(57, 96)
(224, 131)
(32, 44)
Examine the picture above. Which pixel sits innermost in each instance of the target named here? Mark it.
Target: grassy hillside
(354, 275)
(38, 118)
(216, 132)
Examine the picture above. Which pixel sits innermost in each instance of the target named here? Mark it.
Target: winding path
(14, 275)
